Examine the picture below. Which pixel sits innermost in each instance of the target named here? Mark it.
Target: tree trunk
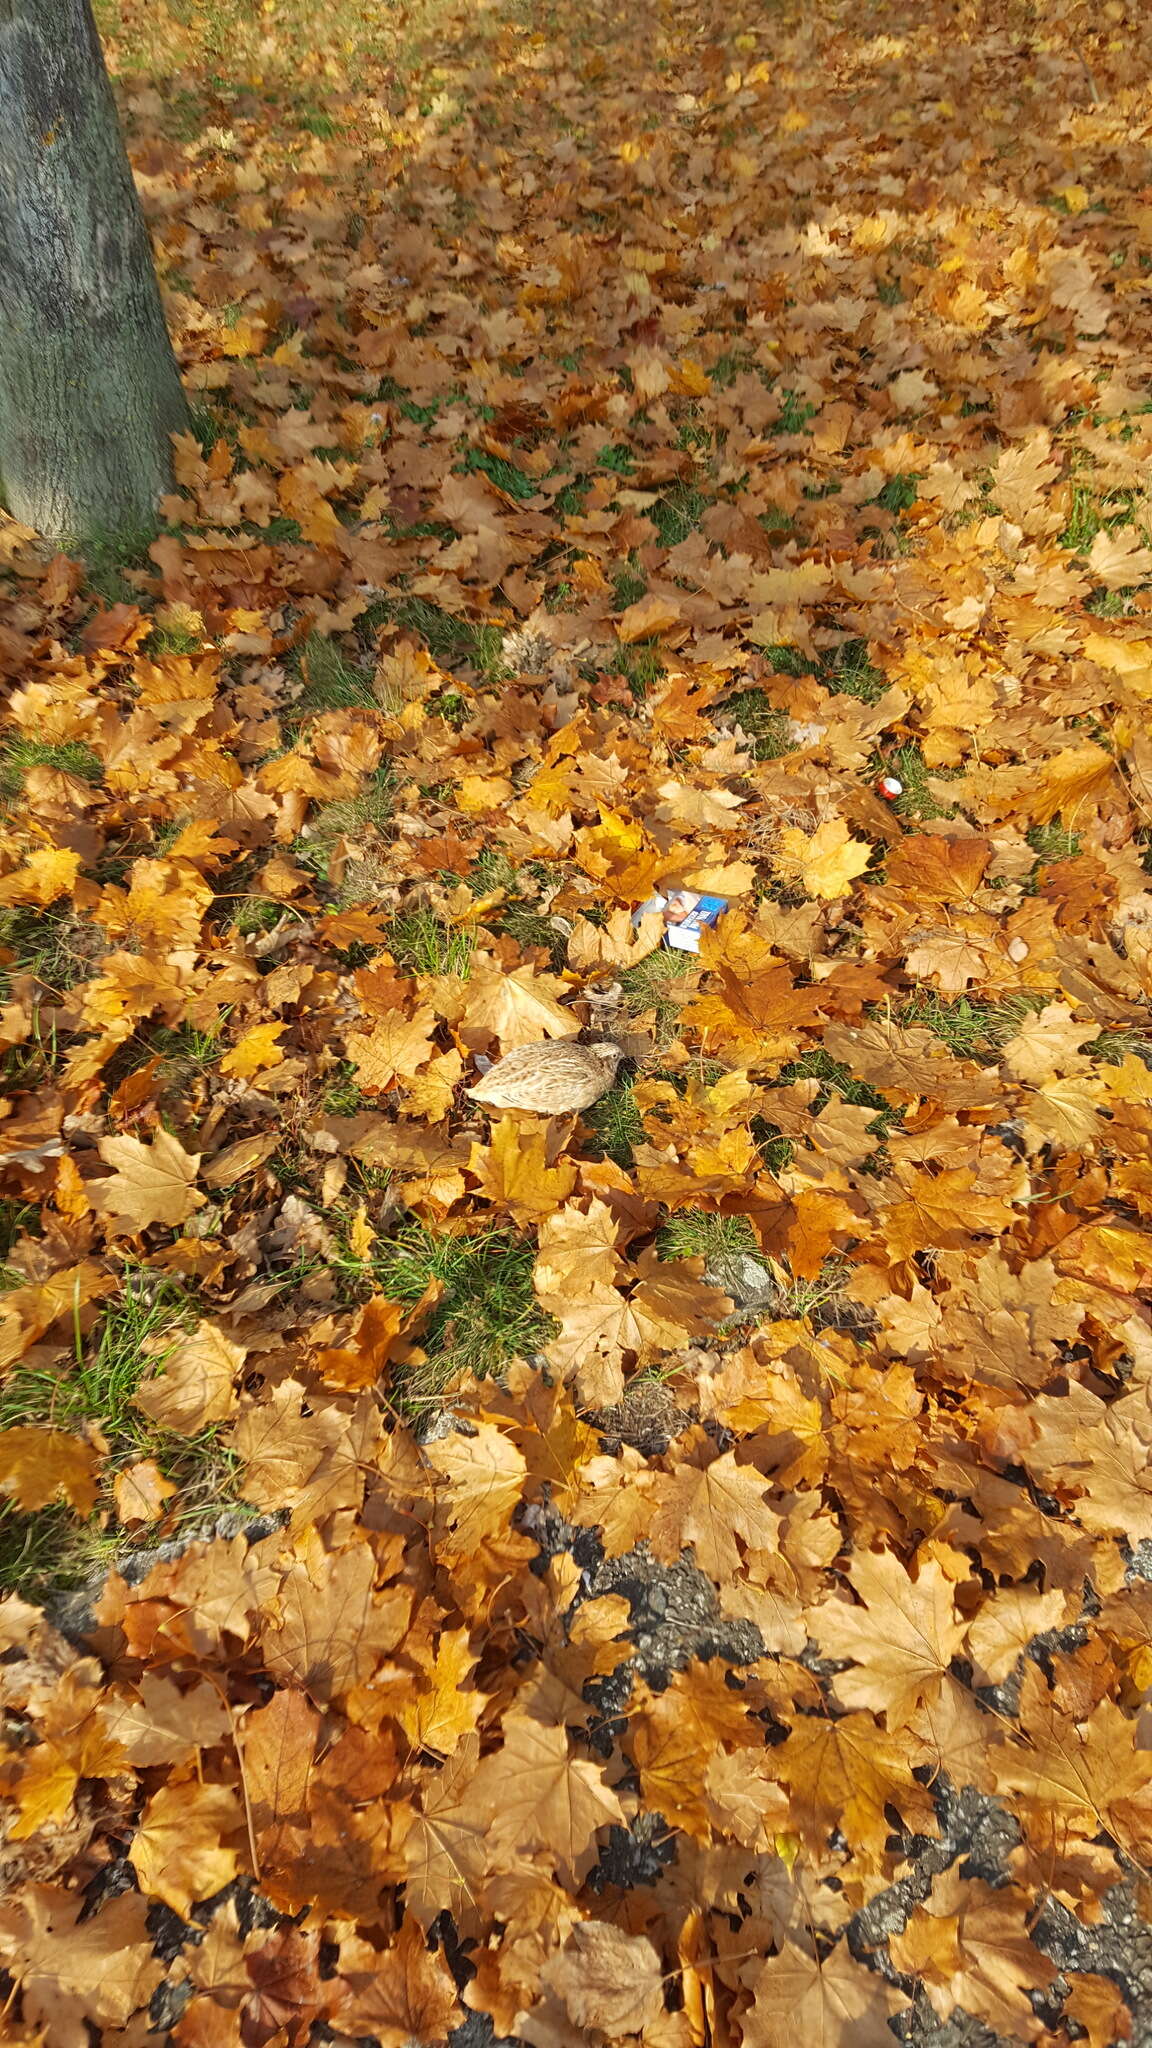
(89, 389)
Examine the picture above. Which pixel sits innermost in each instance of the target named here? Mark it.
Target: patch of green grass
(184, 1046)
(54, 1547)
(775, 1149)
(732, 364)
(70, 757)
(701, 1234)
(766, 727)
(501, 472)
(900, 492)
(343, 1096)
(521, 914)
(801, 1299)
(618, 457)
(174, 640)
(51, 1550)
(678, 513)
(98, 1385)
(452, 642)
(16, 1219)
(1094, 512)
(453, 707)
(488, 1313)
(616, 1124)
(1114, 1047)
(55, 946)
(850, 671)
(787, 661)
(834, 1078)
(204, 425)
(795, 414)
(252, 915)
(332, 683)
(643, 665)
(354, 818)
(423, 943)
(1053, 842)
(628, 586)
(908, 764)
(530, 928)
(650, 985)
(569, 502)
(281, 532)
(492, 869)
(315, 122)
(970, 1029)
(107, 558)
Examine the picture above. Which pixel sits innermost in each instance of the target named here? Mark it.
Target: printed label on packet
(685, 916)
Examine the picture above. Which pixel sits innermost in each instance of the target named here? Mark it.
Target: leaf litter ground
(620, 441)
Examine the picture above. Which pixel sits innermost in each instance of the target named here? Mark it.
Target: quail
(553, 1078)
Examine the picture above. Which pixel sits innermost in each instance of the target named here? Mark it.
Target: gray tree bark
(89, 389)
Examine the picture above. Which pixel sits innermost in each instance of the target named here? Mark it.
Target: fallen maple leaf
(845, 1773)
(259, 1048)
(828, 2003)
(517, 1008)
(607, 1979)
(151, 1184)
(331, 1629)
(901, 1640)
(709, 1509)
(647, 618)
(445, 1707)
(484, 1477)
(166, 1725)
(396, 1047)
(140, 1491)
(187, 1844)
(972, 1949)
(827, 861)
(37, 1464)
(102, 1969)
(536, 1795)
(192, 1385)
(406, 1994)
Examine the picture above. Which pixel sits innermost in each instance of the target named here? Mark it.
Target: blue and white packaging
(685, 916)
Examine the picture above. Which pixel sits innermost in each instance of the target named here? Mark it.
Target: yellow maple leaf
(536, 1795)
(899, 1643)
(709, 1509)
(192, 1386)
(47, 873)
(518, 1008)
(37, 1464)
(478, 794)
(140, 1491)
(826, 861)
(259, 1048)
(482, 1478)
(513, 1171)
(396, 1046)
(647, 618)
(152, 1183)
(186, 1846)
(445, 1707)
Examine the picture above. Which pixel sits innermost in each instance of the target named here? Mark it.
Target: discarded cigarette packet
(685, 916)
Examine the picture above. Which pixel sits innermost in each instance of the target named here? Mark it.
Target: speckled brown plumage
(554, 1078)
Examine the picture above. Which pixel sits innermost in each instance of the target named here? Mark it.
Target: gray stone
(744, 1278)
